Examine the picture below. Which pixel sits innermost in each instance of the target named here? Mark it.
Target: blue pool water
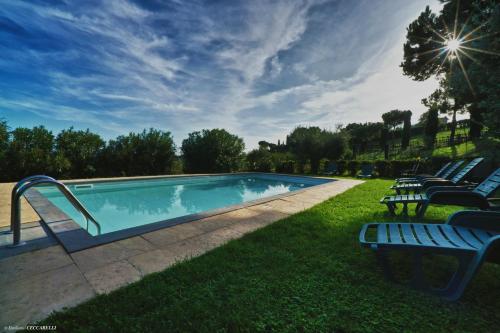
(119, 205)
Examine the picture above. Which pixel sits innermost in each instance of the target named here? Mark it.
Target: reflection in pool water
(125, 204)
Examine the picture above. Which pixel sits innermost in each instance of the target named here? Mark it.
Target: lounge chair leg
(391, 207)
(384, 263)
(419, 205)
(418, 278)
(456, 286)
(405, 209)
(422, 209)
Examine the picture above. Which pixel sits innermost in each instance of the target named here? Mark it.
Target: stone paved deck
(35, 283)
(27, 213)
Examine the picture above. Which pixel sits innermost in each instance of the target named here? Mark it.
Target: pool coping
(73, 237)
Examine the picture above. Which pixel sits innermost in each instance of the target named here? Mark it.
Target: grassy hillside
(488, 147)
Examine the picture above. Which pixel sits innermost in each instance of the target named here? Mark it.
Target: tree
(361, 135)
(471, 72)
(335, 145)
(260, 160)
(405, 140)
(384, 138)
(211, 151)
(4, 145)
(431, 121)
(306, 143)
(30, 152)
(81, 150)
(394, 118)
(312, 144)
(150, 152)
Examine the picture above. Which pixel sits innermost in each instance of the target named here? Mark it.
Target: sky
(255, 68)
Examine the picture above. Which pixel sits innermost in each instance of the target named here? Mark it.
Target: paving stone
(224, 220)
(29, 300)
(110, 277)
(152, 261)
(246, 227)
(27, 212)
(198, 245)
(163, 237)
(25, 265)
(27, 234)
(279, 206)
(102, 255)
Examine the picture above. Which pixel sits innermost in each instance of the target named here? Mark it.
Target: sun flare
(453, 45)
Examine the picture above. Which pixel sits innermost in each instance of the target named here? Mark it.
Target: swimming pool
(129, 204)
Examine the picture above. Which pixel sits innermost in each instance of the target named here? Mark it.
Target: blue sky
(255, 68)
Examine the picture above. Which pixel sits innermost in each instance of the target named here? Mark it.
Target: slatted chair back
(489, 185)
(452, 169)
(443, 169)
(332, 167)
(366, 169)
(466, 170)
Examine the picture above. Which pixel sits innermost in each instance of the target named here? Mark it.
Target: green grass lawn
(304, 273)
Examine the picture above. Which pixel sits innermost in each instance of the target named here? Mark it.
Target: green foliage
(284, 162)
(477, 91)
(260, 160)
(393, 118)
(335, 145)
(353, 167)
(306, 273)
(312, 144)
(405, 141)
(431, 128)
(4, 145)
(80, 154)
(362, 134)
(30, 152)
(421, 40)
(213, 150)
(150, 152)
(81, 150)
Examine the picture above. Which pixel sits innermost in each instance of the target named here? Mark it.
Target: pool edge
(74, 238)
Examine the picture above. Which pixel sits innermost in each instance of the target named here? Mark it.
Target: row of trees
(305, 146)
(81, 154)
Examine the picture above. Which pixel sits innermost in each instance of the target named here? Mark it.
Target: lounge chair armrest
(479, 219)
(437, 182)
(491, 250)
(459, 198)
(433, 189)
(362, 235)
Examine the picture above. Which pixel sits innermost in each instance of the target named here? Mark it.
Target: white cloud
(125, 71)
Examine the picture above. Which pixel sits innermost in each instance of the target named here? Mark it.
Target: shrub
(312, 144)
(80, 149)
(285, 167)
(260, 160)
(30, 152)
(353, 167)
(341, 167)
(147, 153)
(213, 150)
(383, 168)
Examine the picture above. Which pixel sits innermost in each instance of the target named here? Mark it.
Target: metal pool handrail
(25, 184)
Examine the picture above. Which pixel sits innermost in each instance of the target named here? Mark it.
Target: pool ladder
(28, 182)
